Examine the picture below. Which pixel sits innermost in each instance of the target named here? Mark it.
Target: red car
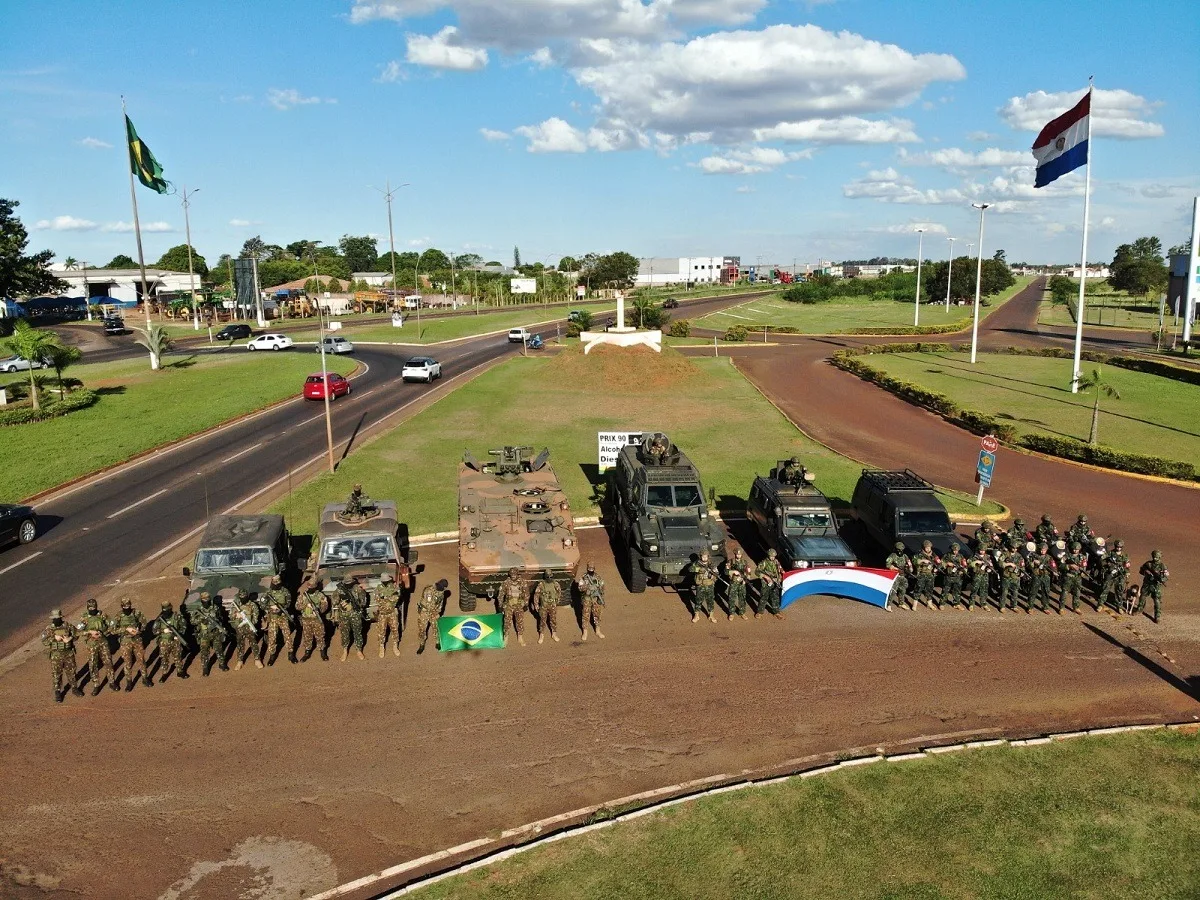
(314, 386)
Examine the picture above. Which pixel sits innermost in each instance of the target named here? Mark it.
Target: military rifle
(245, 618)
(166, 624)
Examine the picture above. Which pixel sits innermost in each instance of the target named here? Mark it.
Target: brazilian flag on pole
(144, 165)
(471, 632)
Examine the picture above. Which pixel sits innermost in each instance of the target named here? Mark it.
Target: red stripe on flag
(1063, 122)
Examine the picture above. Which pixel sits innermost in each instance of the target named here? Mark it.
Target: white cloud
(65, 223)
(490, 134)
(752, 161)
(444, 51)
(954, 158)
(844, 130)
(244, 223)
(286, 98)
(393, 71)
(1115, 113)
(912, 228)
(889, 186)
(542, 56)
(147, 227)
(553, 136)
(95, 144)
(419, 242)
(739, 80)
(744, 189)
(981, 136)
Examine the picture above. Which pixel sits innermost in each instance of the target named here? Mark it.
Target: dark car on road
(17, 523)
(902, 506)
(234, 331)
(114, 325)
(670, 303)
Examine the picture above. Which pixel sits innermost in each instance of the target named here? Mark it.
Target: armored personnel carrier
(241, 552)
(659, 520)
(512, 514)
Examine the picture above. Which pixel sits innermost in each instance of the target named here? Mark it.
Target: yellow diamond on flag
(471, 631)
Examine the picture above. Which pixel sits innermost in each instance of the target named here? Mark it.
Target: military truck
(512, 514)
(359, 538)
(901, 506)
(239, 552)
(658, 518)
(792, 515)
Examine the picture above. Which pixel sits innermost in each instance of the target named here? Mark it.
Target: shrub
(735, 333)
(1107, 458)
(680, 328)
(25, 414)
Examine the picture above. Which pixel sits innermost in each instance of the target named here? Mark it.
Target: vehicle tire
(27, 531)
(250, 347)
(637, 575)
(466, 600)
(277, 347)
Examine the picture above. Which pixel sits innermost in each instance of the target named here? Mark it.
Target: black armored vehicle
(658, 517)
(902, 506)
(792, 515)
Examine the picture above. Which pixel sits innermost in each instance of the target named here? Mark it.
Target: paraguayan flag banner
(1062, 145)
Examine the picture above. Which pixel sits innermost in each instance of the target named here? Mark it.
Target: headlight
(568, 542)
(653, 548)
(852, 564)
(470, 545)
(716, 546)
(802, 564)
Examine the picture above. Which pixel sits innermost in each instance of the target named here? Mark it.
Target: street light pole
(187, 224)
(324, 370)
(388, 194)
(417, 287)
(920, 253)
(87, 295)
(949, 272)
(978, 277)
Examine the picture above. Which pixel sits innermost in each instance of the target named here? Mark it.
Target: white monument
(620, 335)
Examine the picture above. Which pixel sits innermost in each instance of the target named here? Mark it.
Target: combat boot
(258, 663)
(382, 651)
(207, 668)
(292, 657)
(129, 682)
(164, 676)
(112, 684)
(358, 650)
(345, 653)
(97, 688)
(396, 648)
(554, 636)
(420, 648)
(324, 655)
(695, 618)
(541, 637)
(146, 679)
(599, 634)
(237, 666)
(58, 695)
(224, 666)
(76, 690)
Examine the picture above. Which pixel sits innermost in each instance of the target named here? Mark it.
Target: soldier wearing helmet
(546, 597)
(1116, 576)
(1154, 575)
(511, 603)
(59, 641)
(770, 585)
(704, 587)
(1074, 567)
(591, 597)
(387, 613)
(899, 562)
(170, 632)
(96, 630)
(1046, 532)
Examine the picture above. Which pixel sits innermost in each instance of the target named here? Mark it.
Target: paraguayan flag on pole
(1062, 145)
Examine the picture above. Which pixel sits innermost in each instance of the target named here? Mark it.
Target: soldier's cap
(385, 577)
(166, 604)
(1156, 554)
(56, 614)
(772, 553)
(512, 572)
(547, 574)
(899, 545)
(126, 603)
(1074, 545)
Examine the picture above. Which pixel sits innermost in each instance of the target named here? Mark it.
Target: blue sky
(773, 128)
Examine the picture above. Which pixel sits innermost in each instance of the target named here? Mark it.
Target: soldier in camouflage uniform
(1017, 535)
(349, 618)
(354, 503)
(1046, 533)
(591, 600)
(737, 594)
(277, 603)
(1154, 575)
(980, 568)
(545, 600)
(1080, 532)
(210, 635)
(985, 534)
(1116, 573)
(59, 641)
(429, 610)
(245, 616)
(387, 613)
(1041, 569)
(170, 631)
(513, 599)
(770, 585)
(129, 627)
(704, 587)
(953, 568)
(1074, 566)
(312, 604)
(925, 566)
(1011, 566)
(96, 629)
(898, 562)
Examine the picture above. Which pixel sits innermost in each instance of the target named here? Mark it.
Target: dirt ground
(283, 782)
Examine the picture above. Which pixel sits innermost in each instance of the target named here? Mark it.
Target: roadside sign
(610, 444)
(989, 443)
(985, 467)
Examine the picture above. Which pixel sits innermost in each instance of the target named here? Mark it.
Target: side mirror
(412, 557)
(187, 573)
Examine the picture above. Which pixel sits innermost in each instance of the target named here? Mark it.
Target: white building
(1092, 272)
(374, 279)
(663, 270)
(123, 286)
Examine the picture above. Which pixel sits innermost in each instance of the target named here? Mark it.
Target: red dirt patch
(624, 369)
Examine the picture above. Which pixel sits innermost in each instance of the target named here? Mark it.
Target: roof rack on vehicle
(906, 480)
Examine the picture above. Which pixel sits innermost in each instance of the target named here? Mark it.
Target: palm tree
(33, 345)
(59, 357)
(1094, 381)
(158, 342)
(643, 307)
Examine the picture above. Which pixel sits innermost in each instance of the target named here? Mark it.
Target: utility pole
(187, 224)
(978, 279)
(87, 295)
(258, 307)
(324, 370)
(949, 272)
(387, 195)
(920, 253)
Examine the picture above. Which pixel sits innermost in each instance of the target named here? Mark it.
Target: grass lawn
(1091, 817)
(560, 401)
(844, 313)
(1155, 416)
(450, 328)
(1110, 309)
(139, 410)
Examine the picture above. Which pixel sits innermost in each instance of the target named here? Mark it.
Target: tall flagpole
(137, 230)
(1087, 202)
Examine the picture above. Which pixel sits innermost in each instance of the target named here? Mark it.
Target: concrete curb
(458, 860)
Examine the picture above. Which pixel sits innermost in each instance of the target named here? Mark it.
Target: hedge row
(25, 414)
(1133, 363)
(969, 419)
(1107, 458)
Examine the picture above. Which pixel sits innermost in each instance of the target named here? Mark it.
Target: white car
(518, 336)
(269, 342)
(19, 364)
(421, 368)
(336, 344)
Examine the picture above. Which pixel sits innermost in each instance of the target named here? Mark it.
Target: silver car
(336, 344)
(19, 364)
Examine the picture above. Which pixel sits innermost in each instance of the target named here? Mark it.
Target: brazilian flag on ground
(142, 161)
(471, 632)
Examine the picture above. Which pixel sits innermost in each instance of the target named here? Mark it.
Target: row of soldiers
(260, 626)
(514, 599)
(1002, 561)
(736, 574)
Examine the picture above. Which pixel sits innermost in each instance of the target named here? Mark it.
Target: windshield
(679, 495)
(358, 548)
(802, 520)
(924, 521)
(235, 559)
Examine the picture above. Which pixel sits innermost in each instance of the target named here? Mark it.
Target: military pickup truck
(240, 552)
(361, 541)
